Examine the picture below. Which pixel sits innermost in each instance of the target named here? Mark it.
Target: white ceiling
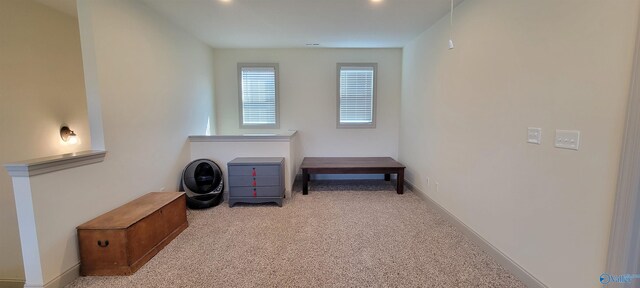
(294, 23)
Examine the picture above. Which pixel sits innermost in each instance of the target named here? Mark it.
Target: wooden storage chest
(119, 242)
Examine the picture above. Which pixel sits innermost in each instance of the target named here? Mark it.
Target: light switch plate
(567, 139)
(534, 135)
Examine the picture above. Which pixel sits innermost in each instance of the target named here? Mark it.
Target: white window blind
(356, 95)
(258, 95)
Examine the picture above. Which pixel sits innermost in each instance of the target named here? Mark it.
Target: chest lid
(128, 214)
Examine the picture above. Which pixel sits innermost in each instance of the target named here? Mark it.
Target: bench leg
(387, 177)
(305, 182)
(400, 183)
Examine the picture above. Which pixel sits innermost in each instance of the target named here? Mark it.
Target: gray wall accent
(624, 242)
(500, 257)
(54, 163)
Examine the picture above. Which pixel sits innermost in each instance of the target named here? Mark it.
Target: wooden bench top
(350, 162)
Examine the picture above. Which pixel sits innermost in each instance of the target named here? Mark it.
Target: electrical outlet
(534, 135)
(437, 187)
(162, 189)
(567, 139)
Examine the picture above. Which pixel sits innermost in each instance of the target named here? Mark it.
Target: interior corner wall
(41, 88)
(308, 98)
(155, 86)
(465, 112)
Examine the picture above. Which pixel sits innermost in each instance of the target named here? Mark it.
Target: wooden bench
(352, 165)
(119, 242)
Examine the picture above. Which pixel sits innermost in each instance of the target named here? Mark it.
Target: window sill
(356, 126)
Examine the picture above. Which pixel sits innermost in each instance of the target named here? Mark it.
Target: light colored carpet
(343, 234)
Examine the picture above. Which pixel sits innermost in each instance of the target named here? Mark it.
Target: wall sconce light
(68, 135)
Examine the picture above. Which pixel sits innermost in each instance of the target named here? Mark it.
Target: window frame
(277, 96)
(374, 107)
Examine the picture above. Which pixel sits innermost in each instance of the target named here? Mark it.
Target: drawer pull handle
(106, 243)
(253, 183)
(254, 192)
(254, 172)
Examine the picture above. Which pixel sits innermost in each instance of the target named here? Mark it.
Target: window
(258, 89)
(357, 95)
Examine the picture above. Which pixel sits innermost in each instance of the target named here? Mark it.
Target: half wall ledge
(251, 137)
(50, 164)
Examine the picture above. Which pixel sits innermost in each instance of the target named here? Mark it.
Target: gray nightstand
(256, 180)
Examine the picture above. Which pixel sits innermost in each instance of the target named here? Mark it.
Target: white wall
(308, 98)
(154, 86)
(464, 118)
(41, 87)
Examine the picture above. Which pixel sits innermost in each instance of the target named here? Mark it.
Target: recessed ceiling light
(376, 1)
(225, 1)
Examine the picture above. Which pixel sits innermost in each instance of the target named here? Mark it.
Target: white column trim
(21, 173)
(90, 69)
(624, 241)
(28, 232)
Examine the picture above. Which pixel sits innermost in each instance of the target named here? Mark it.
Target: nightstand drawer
(242, 181)
(272, 191)
(247, 170)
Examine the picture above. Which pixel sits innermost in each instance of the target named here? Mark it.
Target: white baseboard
(11, 283)
(59, 282)
(498, 255)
